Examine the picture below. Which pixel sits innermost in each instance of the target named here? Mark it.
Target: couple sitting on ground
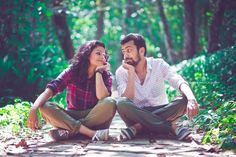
(142, 102)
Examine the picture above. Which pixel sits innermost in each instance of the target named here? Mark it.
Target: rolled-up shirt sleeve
(60, 83)
(108, 81)
(171, 75)
(121, 81)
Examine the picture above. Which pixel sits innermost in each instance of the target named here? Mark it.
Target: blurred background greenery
(197, 37)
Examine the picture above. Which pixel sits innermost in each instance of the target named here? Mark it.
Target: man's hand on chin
(127, 66)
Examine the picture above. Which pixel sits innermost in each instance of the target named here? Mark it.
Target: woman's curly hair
(80, 61)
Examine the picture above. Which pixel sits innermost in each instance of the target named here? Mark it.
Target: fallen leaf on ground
(161, 155)
(22, 143)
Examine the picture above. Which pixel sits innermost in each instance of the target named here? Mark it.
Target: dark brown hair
(80, 61)
(137, 38)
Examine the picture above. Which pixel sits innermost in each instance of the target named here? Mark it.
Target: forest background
(197, 37)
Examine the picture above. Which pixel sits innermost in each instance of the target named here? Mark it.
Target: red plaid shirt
(79, 96)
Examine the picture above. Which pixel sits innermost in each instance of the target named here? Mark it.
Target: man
(143, 103)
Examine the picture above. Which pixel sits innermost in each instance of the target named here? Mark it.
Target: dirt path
(40, 144)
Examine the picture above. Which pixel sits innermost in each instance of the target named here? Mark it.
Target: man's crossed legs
(158, 119)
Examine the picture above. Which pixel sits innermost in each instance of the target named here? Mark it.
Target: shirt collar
(149, 64)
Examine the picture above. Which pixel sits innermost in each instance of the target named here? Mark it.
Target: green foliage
(60, 99)
(214, 74)
(31, 55)
(227, 30)
(14, 116)
(176, 32)
(212, 79)
(222, 122)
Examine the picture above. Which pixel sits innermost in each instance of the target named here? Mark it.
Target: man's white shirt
(152, 92)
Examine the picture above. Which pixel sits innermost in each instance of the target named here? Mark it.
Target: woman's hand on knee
(32, 122)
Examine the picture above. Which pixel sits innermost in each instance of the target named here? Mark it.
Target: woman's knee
(109, 103)
(108, 100)
(47, 107)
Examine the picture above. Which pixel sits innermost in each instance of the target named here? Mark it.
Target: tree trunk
(189, 49)
(198, 24)
(100, 21)
(205, 21)
(129, 11)
(62, 30)
(168, 42)
(217, 19)
(230, 30)
(33, 28)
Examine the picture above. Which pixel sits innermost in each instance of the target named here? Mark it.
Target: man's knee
(123, 103)
(182, 101)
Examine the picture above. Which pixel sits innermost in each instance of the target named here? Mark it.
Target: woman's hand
(32, 122)
(104, 67)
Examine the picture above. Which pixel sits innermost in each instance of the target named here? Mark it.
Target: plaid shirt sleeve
(108, 81)
(60, 83)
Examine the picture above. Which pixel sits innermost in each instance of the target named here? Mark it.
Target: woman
(89, 109)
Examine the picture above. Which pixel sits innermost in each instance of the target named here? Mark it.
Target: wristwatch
(99, 71)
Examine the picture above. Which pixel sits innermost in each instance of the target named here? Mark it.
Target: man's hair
(138, 41)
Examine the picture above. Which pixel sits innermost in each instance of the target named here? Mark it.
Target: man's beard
(132, 62)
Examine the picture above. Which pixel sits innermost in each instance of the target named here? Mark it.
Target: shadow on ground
(40, 144)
